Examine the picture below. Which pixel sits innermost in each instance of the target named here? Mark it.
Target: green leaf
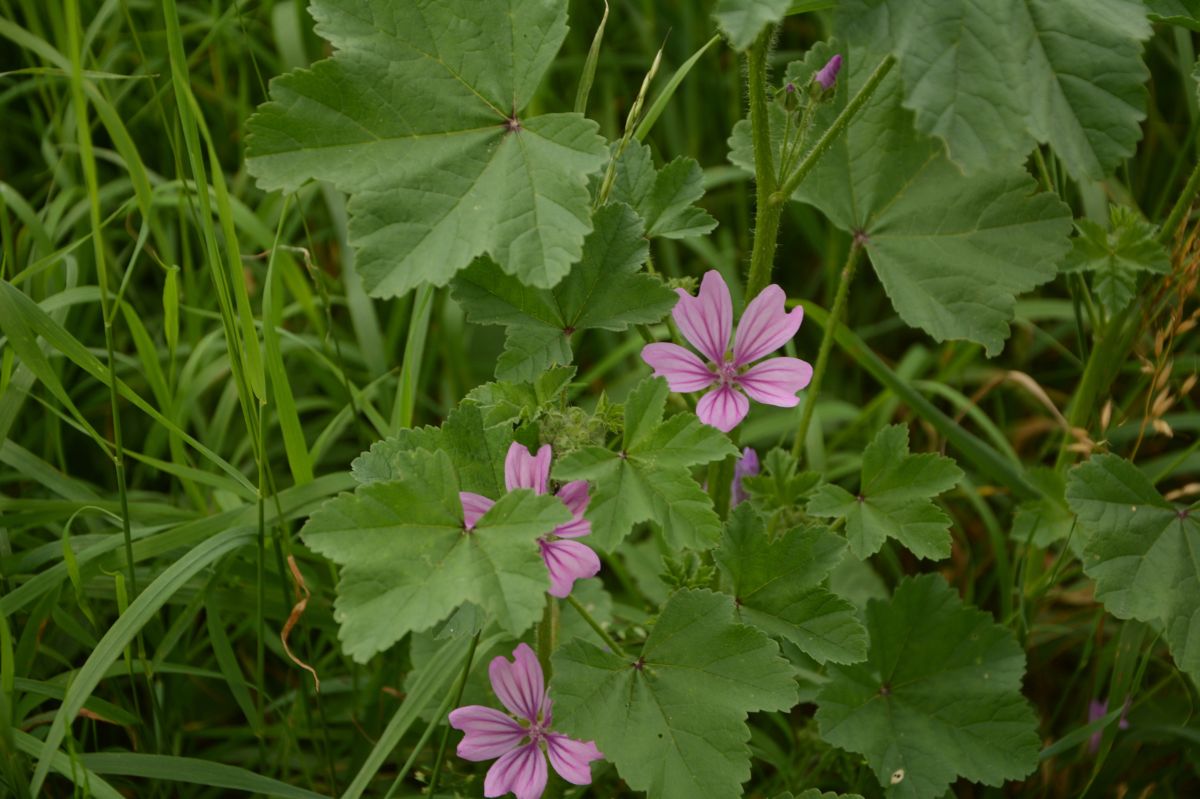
(1185, 13)
(475, 441)
(895, 498)
(684, 699)
(779, 486)
(663, 198)
(777, 586)
(938, 698)
(604, 291)
(648, 480)
(1115, 256)
(743, 20)
(408, 562)
(952, 251)
(990, 79)
(1141, 551)
(419, 116)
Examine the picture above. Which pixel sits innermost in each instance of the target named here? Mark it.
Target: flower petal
(522, 771)
(576, 528)
(522, 470)
(706, 320)
(474, 506)
(575, 496)
(570, 758)
(568, 561)
(488, 732)
(683, 370)
(723, 408)
(775, 381)
(765, 326)
(520, 685)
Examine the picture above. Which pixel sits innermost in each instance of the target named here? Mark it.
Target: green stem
(827, 337)
(547, 635)
(458, 692)
(1182, 204)
(595, 625)
(767, 214)
(830, 136)
(1109, 351)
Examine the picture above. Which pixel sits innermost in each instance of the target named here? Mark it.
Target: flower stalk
(835, 315)
(608, 640)
(771, 196)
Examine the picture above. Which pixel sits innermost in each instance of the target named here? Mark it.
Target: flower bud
(827, 76)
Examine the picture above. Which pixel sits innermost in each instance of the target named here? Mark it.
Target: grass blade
(123, 631)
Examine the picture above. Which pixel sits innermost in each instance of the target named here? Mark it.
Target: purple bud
(790, 88)
(828, 74)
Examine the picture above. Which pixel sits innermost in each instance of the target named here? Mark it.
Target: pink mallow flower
(519, 742)
(566, 560)
(706, 321)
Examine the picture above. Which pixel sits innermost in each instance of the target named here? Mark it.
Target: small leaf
(894, 499)
(743, 20)
(777, 587)
(1141, 551)
(1185, 13)
(938, 698)
(606, 290)
(408, 560)
(684, 699)
(648, 479)
(663, 198)
(1117, 255)
(419, 116)
(475, 443)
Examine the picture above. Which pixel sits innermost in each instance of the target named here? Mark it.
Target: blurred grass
(188, 366)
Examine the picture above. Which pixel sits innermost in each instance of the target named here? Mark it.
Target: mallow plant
(945, 140)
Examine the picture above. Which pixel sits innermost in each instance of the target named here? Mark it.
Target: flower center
(536, 732)
(726, 373)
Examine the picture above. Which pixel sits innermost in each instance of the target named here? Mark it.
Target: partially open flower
(566, 560)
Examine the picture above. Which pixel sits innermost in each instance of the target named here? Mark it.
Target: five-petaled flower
(706, 321)
(566, 560)
(519, 742)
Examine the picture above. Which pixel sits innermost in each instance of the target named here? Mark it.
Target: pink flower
(827, 76)
(521, 768)
(566, 560)
(706, 321)
(747, 466)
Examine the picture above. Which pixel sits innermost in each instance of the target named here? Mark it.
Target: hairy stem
(830, 136)
(767, 214)
(835, 315)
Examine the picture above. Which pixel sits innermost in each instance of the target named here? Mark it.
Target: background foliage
(190, 365)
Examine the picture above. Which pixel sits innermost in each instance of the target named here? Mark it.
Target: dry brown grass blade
(302, 597)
